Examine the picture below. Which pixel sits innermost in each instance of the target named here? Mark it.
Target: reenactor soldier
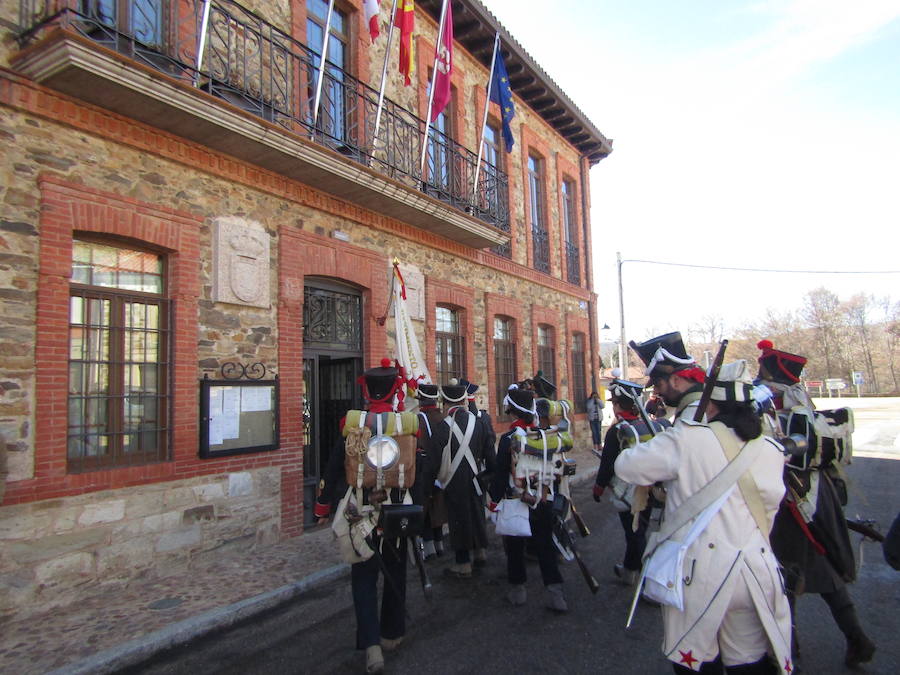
(711, 564)
(367, 487)
(628, 430)
(810, 535)
(430, 416)
(507, 486)
(455, 452)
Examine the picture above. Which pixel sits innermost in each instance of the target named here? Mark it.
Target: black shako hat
(663, 355)
(779, 366)
(470, 387)
(380, 383)
(625, 391)
(453, 393)
(543, 387)
(427, 393)
(520, 402)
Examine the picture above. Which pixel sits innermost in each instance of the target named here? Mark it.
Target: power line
(760, 269)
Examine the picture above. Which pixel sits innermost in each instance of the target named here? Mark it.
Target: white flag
(408, 352)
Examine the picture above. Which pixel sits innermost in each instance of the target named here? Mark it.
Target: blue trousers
(364, 581)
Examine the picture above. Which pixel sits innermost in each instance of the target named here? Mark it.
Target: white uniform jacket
(731, 550)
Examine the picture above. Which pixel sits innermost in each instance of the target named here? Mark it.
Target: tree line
(839, 337)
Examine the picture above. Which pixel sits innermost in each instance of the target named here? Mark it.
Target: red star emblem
(687, 658)
(788, 668)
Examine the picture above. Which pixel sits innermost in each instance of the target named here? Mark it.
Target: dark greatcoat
(805, 570)
(485, 420)
(465, 508)
(435, 507)
(500, 482)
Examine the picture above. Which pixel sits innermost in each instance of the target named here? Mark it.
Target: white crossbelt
(464, 452)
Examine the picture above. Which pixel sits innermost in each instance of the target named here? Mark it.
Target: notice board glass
(238, 416)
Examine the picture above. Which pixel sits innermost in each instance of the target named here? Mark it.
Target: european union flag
(501, 94)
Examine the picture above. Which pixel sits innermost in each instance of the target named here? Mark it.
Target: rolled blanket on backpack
(408, 422)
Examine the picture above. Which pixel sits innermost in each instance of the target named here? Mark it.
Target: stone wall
(50, 548)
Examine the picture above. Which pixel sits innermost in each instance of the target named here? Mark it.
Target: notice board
(238, 416)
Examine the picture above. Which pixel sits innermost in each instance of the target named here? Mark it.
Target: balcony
(572, 266)
(252, 95)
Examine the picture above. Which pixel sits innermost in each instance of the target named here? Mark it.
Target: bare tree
(709, 329)
(892, 337)
(821, 312)
(858, 311)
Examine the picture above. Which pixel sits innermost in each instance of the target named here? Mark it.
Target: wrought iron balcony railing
(252, 64)
(574, 274)
(540, 248)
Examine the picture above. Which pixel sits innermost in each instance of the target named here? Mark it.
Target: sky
(761, 134)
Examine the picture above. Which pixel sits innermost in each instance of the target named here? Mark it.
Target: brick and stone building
(173, 217)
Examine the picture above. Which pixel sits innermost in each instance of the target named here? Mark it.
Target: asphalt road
(469, 628)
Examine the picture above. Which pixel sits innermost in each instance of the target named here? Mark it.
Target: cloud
(806, 33)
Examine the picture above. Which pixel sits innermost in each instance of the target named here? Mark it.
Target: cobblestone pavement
(116, 625)
(109, 616)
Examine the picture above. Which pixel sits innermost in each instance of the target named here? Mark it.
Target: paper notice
(215, 416)
(255, 399)
(231, 412)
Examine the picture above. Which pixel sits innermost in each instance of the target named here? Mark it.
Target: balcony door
(141, 20)
(333, 116)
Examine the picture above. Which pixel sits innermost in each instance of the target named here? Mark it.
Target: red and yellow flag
(403, 19)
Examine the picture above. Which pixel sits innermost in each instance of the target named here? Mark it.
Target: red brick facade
(100, 185)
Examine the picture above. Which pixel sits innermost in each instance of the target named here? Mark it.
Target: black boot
(708, 668)
(764, 666)
(860, 649)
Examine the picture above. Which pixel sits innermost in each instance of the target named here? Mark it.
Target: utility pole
(623, 347)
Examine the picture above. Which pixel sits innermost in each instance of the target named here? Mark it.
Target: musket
(579, 521)
(865, 528)
(419, 556)
(710, 382)
(389, 580)
(645, 418)
(570, 544)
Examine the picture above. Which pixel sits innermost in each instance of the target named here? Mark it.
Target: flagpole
(384, 67)
(440, 36)
(487, 104)
(322, 56)
(204, 27)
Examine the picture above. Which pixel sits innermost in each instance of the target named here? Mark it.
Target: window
(570, 231)
(546, 352)
(141, 19)
(504, 361)
(118, 357)
(540, 243)
(438, 163)
(332, 109)
(491, 190)
(449, 353)
(577, 378)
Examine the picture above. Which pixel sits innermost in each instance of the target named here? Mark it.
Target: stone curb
(145, 647)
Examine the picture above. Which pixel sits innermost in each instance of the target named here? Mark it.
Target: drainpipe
(588, 276)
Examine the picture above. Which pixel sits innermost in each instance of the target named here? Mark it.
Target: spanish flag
(403, 19)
